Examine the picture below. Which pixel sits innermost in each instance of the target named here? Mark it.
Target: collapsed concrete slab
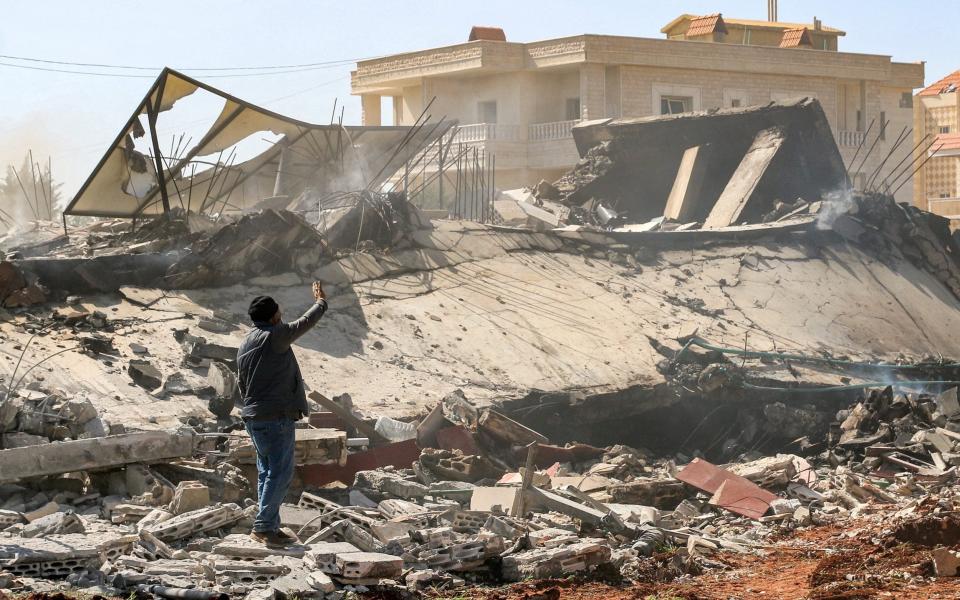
(631, 166)
(92, 454)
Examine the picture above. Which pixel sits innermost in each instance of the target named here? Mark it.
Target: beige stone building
(519, 101)
(936, 136)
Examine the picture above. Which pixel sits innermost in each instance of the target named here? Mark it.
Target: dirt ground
(851, 560)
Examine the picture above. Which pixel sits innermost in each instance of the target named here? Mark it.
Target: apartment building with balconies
(519, 101)
(936, 137)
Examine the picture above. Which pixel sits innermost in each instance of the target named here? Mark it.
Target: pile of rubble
(463, 496)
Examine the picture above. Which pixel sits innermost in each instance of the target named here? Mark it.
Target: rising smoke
(835, 203)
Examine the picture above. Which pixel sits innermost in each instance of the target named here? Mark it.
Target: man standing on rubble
(273, 396)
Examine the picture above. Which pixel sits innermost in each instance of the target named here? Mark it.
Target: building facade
(936, 137)
(519, 101)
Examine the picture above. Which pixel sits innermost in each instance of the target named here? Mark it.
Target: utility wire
(142, 68)
(135, 76)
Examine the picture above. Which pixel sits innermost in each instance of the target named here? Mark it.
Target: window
(672, 105)
(734, 98)
(487, 111)
(944, 129)
(573, 109)
(906, 100)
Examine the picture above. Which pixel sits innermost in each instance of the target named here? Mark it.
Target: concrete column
(398, 110)
(279, 184)
(370, 104)
(919, 130)
(592, 97)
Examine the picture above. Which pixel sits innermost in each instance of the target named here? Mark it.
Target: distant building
(936, 135)
(520, 100)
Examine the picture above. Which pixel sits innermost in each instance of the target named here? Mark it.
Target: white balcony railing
(850, 139)
(482, 132)
(557, 130)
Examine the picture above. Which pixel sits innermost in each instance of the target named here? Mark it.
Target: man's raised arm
(287, 333)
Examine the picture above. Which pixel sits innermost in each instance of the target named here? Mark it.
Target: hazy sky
(72, 118)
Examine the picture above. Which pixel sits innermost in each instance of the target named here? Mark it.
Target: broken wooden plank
(686, 194)
(93, 453)
(359, 424)
(745, 179)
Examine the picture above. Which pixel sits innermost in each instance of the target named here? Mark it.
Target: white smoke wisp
(835, 203)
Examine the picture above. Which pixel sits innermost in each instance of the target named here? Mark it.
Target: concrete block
(313, 447)
(144, 374)
(357, 565)
(493, 499)
(242, 547)
(323, 555)
(198, 521)
(189, 496)
(47, 509)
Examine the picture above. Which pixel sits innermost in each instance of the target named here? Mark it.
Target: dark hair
(262, 308)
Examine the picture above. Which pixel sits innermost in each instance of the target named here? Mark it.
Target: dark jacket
(271, 385)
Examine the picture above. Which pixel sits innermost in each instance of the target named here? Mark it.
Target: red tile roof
(946, 141)
(493, 34)
(948, 84)
(706, 25)
(794, 38)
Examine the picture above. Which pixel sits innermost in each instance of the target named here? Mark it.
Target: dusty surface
(498, 314)
(843, 560)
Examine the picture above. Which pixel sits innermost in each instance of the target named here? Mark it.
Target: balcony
(487, 132)
(850, 139)
(557, 130)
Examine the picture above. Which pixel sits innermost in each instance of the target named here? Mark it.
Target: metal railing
(850, 139)
(557, 130)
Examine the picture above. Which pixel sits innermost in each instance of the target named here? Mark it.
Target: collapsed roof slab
(642, 157)
(327, 158)
(502, 315)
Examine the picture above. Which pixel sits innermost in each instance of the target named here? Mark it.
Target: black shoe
(271, 539)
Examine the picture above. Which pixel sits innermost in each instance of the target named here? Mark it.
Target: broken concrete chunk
(58, 522)
(362, 565)
(189, 496)
(948, 404)
(224, 383)
(144, 374)
(323, 555)
(197, 521)
(95, 453)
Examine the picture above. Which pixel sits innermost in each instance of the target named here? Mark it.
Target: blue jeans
(274, 442)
